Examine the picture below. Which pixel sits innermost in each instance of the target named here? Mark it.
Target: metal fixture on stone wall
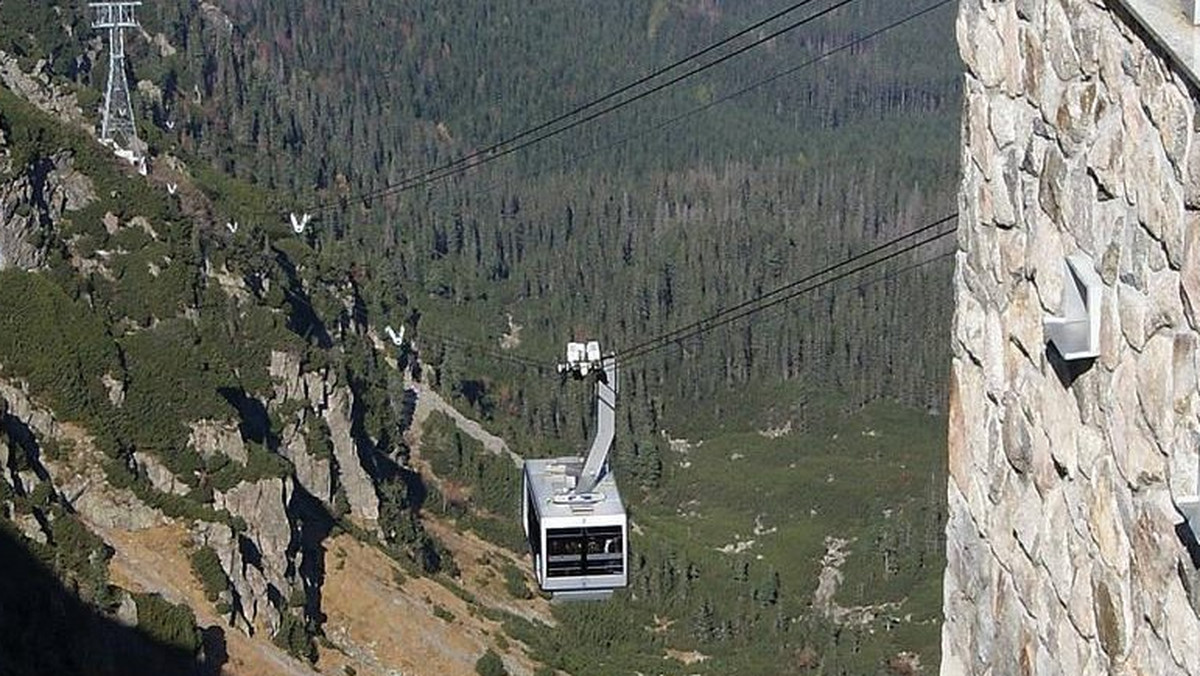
(1076, 334)
(1191, 8)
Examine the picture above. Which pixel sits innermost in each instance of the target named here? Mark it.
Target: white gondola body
(579, 545)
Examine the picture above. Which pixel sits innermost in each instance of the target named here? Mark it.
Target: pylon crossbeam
(115, 17)
(114, 14)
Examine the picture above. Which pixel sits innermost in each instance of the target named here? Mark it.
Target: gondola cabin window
(585, 551)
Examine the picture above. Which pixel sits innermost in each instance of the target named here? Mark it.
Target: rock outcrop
(34, 201)
(37, 88)
(1065, 550)
(263, 505)
(314, 473)
(252, 609)
(159, 475)
(6, 158)
(322, 396)
(212, 437)
(5, 450)
(19, 405)
(360, 489)
(79, 478)
(259, 562)
(34, 198)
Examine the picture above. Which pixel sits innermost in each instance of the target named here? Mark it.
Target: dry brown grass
(379, 626)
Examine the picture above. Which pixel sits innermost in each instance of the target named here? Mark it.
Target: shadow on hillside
(407, 412)
(254, 422)
(303, 319)
(46, 629)
(315, 526)
(27, 454)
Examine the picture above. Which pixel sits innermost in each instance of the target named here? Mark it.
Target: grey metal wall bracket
(1191, 9)
(1076, 333)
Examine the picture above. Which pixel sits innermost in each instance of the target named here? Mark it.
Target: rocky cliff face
(263, 560)
(32, 199)
(259, 562)
(76, 476)
(37, 88)
(319, 395)
(263, 554)
(1066, 551)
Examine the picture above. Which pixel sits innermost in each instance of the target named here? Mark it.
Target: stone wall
(1064, 544)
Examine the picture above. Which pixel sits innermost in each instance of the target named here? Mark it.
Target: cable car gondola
(572, 512)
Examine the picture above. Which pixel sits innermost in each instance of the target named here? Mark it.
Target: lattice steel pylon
(118, 125)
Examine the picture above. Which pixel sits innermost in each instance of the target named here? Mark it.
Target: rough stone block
(1078, 465)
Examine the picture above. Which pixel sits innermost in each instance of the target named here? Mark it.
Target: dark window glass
(604, 550)
(584, 551)
(564, 552)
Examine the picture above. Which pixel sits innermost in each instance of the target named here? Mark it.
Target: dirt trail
(429, 401)
(470, 550)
